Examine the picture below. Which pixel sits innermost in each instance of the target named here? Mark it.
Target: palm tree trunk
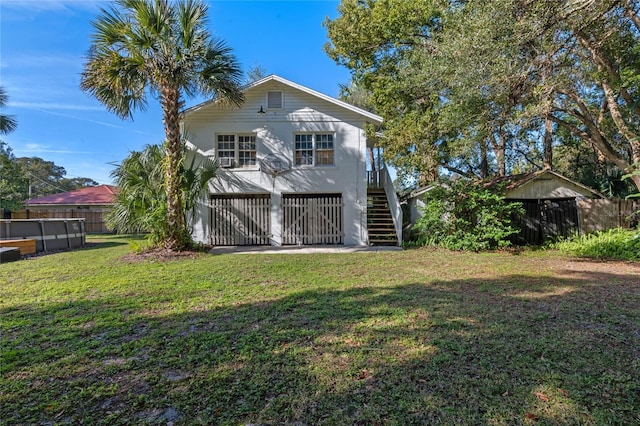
(177, 237)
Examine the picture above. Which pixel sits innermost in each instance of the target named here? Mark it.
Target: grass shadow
(508, 350)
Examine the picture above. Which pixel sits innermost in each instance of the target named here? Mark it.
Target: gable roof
(97, 195)
(512, 182)
(371, 116)
(516, 181)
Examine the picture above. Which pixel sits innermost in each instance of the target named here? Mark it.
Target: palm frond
(141, 203)
(7, 123)
(196, 175)
(142, 200)
(221, 73)
(110, 28)
(192, 18)
(116, 81)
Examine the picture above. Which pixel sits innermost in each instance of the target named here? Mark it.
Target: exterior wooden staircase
(382, 231)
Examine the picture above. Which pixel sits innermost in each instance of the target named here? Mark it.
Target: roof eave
(559, 176)
(371, 116)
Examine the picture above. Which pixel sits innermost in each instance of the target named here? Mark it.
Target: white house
(294, 170)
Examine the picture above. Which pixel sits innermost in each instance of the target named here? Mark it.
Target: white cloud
(34, 148)
(36, 59)
(33, 107)
(42, 106)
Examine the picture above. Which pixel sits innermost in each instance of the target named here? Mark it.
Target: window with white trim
(314, 149)
(246, 150)
(324, 149)
(236, 150)
(226, 149)
(304, 150)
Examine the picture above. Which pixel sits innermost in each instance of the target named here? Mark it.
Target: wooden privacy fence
(550, 219)
(312, 219)
(603, 214)
(238, 220)
(94, 220)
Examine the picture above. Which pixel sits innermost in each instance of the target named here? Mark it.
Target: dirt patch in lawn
(595, 270)
(160, 255)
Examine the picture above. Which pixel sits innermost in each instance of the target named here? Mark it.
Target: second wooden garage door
(312, 219)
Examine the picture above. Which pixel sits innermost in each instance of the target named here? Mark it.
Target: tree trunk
(609, 74)
(592, 133)
(548, 142)
(484, 162)
(372, 159)
(499, 143)
(177, 238)
(636, 180)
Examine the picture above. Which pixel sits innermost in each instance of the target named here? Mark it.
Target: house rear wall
(274, 132)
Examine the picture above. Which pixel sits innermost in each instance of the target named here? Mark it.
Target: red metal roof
(100, 195)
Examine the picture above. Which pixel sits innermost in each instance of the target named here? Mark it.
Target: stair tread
(380, 225)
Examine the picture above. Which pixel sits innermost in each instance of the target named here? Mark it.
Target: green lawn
(415, 337)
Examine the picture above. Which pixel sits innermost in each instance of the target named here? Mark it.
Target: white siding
(274, 131)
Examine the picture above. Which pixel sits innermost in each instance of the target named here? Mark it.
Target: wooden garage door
(312, 219)
(240, 220)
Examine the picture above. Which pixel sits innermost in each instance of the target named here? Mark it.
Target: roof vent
(274, 99)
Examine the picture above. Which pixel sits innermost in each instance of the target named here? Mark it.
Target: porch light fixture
(262, 111)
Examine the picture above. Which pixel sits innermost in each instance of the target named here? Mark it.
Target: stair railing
(373, 179)
(392, 199)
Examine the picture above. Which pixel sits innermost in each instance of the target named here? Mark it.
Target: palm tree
(143, 47)
(140, 204)
(7, 123)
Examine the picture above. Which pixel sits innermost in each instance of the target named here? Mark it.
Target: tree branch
(603, 110)
(459, 171)
(632, 14)
(614, 108)
(529, 160)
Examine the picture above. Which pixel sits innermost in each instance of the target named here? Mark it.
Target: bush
(141, 203)
(618, 244)
(465, 216)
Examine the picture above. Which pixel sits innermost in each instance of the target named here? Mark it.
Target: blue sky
(42, 49)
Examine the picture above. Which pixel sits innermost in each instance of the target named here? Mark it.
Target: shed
(90, 203)
(550, 201)
(554, 206)
(542, 185)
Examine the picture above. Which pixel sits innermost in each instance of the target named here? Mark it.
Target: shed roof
(91, 195)
(512, 182)
(371, 116)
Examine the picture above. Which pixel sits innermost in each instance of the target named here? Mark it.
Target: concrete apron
(300, 249)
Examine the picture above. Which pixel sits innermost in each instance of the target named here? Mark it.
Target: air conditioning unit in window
(226, 162)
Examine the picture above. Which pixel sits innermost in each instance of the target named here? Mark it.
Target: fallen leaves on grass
(532, 416)
(542, 397)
